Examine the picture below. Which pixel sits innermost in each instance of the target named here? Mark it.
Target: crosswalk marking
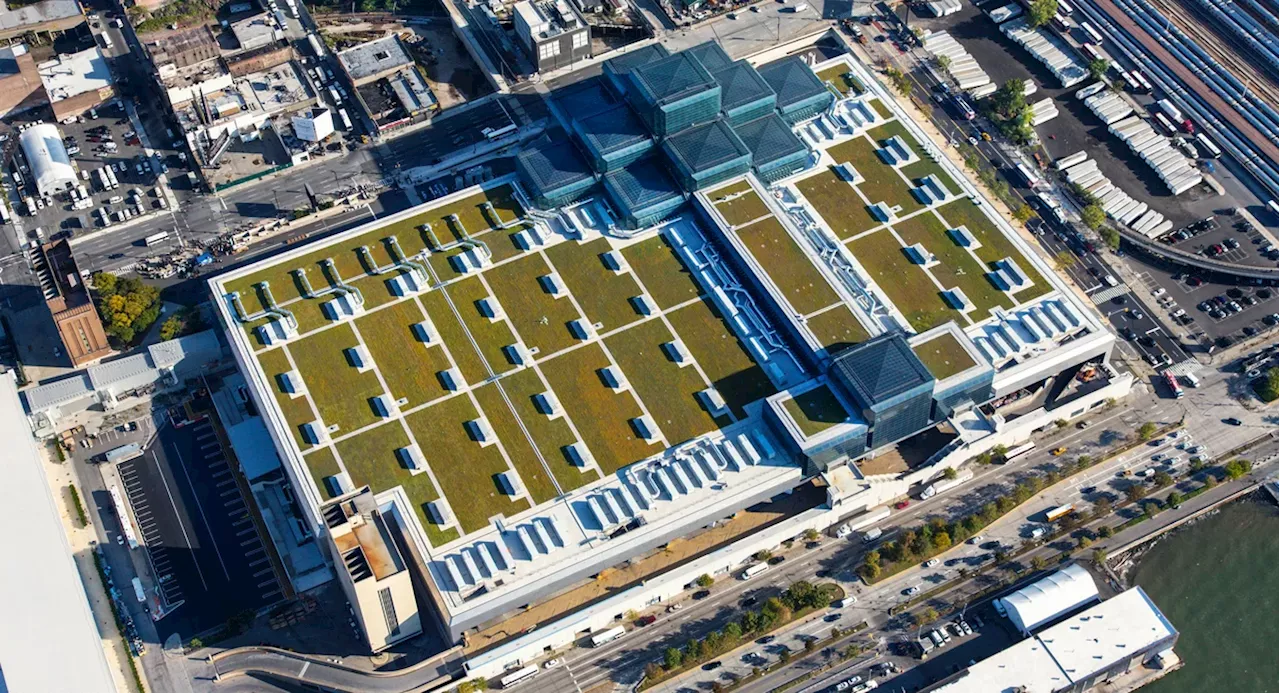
(1109, 293)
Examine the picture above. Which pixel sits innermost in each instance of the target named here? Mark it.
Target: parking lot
(1174, 290)
(1223, 239)
(103, 137)
(207, 556)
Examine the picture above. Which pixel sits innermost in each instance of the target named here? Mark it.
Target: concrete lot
(1077, 129)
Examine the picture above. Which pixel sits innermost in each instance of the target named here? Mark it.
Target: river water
(1218, 582)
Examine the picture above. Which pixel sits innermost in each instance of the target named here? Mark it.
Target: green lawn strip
(816, 410)
(340, 392)
(956, 266)
(925, 166)
(842, 79)
(837, 328)
(370, 458)
(603, 295)
(943, 356)
(409, 366)
(550, 435)
(491, 336)
(787, 265)
(453, 336)
(661, 272)
(907, 286)
(466, 471)
(322, 465)
(882, 109)
(741, 209)
(541, 320)
(880, 183)
(668, 391)
(837, 203)
(602, 418)
(726, 362)
(296, 410)
(349, 264)
(534, 476)
(995, 245)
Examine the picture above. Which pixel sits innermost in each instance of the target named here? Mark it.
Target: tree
(1135, 492)
(1105, 531)
(1084, 462)
(1174, 500)
(1237, 468)
(1110, 236)
(1098, 68)
(811, 534)
(1093, 216)
(127, 306)
(924, 618)
(733, 632)
(1038, 562)
(1268, 386)
(1102, 507)
(941, 541)
(1023, 214)
(1041, 12)
(998, 452)
(900, 80)
(1099, 557)
(870, 568)
(1064, 259)
(810, 644)
(195, 644)
(171, 328)
(475, 685)
(950, 473)
(704, 580)
(1147, 431)
(943, 62)
(1150, 508)
(1161, 479)
(785, 655)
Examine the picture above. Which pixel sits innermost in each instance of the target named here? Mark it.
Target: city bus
(1059, 512)
(495, 133)
(1172, 381)
(1019, 451)
(155, 238)
(607, 636)
(517, 676)
(1091, 32)
(138, 592)
(754, 570)
(1210, 149)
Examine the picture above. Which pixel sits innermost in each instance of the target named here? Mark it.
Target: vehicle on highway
(901, 504)
(1233, 421)
(1059, 452)
(754, 570)
(608, 636)
(911, 590)
(977, 539)
(765, 640)
(646, 620)
(518, 676)
(931, 562)
(832, 618)
(712, 666)
(701, 594)
(551, 663)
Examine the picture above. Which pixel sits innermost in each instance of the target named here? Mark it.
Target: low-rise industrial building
(51, 169)
(553, 33)
(1123, 641)
(77, 82)
(20, 86)
(69, 303)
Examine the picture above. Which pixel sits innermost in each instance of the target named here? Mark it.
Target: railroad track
(1224, 48)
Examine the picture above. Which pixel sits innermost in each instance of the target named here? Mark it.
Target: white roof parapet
(712, 400)
(553, 284)
(678, 352)
(440, 512)
(547, 403)
(646, 428)
(451, 379)
(358, 356)
(579, 455)
(490, 308)
(291, 382)
(480, 431)
(613, 378)
(315, 432)
(425, 332)
(613, 260)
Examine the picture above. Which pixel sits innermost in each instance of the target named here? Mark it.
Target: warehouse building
(1047, 599)
(553, 33)
(51, 169)
(20, 87)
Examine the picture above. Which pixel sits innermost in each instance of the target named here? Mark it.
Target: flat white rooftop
(74, 74)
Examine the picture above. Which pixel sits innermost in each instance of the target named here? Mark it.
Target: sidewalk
(60, 476)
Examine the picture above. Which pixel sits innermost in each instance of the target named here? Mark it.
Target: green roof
(816, 410)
